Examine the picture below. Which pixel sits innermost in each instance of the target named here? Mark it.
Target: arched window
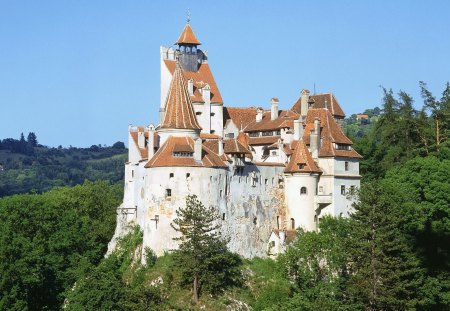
(303, 190)
(292, 223)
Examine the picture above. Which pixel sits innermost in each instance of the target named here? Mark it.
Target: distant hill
(28, 166)
(357, 125)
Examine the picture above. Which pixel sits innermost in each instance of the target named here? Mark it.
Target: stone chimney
(259, 114)
(198, 149)
(151, 141)
(298, 129)
(191, 87)
(141, 139)
(274, 108)
(314, 141)
(162, 112)
(220, 152)
(304, 98)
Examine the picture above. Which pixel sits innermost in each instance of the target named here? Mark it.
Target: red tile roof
(231, 146)
(241, 117)
(179, 111)
(165, 157)
(285, 120)
(319, 102)
(330, 133)
(142, 151)
(301, 156)
(264, 140)
(187, 36)
(201, 77)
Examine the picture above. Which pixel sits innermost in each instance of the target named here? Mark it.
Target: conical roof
(179, 111)
(188, 36)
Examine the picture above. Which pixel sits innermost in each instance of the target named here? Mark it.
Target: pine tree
(202, 255)
(32, 139)
(384, 271)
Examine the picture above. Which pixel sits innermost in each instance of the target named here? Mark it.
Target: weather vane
(188, 14)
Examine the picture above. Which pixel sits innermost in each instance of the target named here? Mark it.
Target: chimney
(141, 139)
(274, 108)
(162, 111)
(314, 141)
(220, 152)
(198, 149)
(298, 129)
(259, 114)
(191, 87)
(304, 98)
(151, 141)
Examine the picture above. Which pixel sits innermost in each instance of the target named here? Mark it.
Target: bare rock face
(123, 226)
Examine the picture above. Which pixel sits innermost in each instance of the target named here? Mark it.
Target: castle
(266, 171)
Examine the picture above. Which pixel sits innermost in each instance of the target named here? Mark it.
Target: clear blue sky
(78, 72)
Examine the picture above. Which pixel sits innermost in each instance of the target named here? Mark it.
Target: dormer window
(269, 133)
(301, 166)
(343, 147)
(181, 154)
(253, 134)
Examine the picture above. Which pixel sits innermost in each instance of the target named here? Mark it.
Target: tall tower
(187, 45)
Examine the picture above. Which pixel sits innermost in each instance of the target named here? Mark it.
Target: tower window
(132, 173)
(346, 165)
(188, 175)
(343, 189)
(168, 193)
(303, 190)
(223, 216)
(171, 175)
(292, 223)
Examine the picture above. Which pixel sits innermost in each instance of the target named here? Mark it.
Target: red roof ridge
(179, 111)
(187, 36)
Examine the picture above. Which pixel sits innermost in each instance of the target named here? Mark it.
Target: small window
(230, 135)
(346, 165)
(188, 175)
(212, 131)
(171, 175)
(278, 222)
(221, 193)
(343, 189)
(303, 190)
(213, 114)
(352, 189)
(132, 173)
(266, 181)
(272, 244)
(274, 153)
(198, 113)
(301, 166)
(168, 193)
(292, 224)
(255, 220)
(223, 216)
(253, 134)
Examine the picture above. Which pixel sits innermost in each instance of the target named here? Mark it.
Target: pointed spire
(188, 36)
(179, 111)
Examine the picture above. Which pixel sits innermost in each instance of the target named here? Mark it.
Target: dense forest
(393, 253)
(28, 166)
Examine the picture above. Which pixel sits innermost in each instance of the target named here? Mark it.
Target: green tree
(317, 263)
(202, 256)
(385, 274)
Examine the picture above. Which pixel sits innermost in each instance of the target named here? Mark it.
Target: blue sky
(78, 72)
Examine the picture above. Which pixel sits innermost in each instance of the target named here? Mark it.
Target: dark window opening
(188, 175)
(278, 222)
(301, 166)
(292, 223)
(223, 216)
(343, 189)
(171, 175)
(198, 113)
(346, 166)
(168, 193)
(303, 190)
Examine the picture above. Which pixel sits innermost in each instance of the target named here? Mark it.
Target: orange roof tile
(187, 36)
(330, 133)
(269, 164)
(264, 140)
(241, 117)
(165, 155)
(231, 146)
(285, 120)
(209, 136)
(319, 102)
(179, 111)
(301, 156)
(201, 77)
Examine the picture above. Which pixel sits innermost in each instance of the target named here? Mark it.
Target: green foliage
(48, 240)
(28, 166)
(202, 256)
(317, 263)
